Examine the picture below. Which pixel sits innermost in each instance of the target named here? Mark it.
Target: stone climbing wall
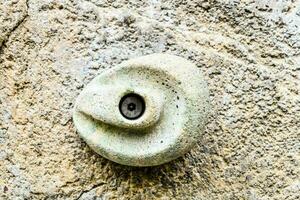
(248, 51)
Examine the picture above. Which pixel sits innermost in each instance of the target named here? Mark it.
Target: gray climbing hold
(144, 111)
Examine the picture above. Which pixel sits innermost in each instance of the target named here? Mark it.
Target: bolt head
(132, 106)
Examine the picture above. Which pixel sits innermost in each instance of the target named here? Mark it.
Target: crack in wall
(14, 28)
(88, 190)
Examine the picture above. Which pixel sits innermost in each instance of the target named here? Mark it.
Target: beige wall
(248, 52)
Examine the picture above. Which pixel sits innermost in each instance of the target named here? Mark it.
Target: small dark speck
(176, 106)
(161, 141)
(163, 83)
(177, 97)
(5, 189)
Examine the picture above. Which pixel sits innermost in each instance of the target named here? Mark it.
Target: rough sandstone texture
(248, 51)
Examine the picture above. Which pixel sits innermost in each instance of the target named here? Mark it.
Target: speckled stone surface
(247, 50)
(176, 110)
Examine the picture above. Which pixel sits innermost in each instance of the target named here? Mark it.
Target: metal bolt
(132, 106)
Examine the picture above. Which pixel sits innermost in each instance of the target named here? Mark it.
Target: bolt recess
(132, 106)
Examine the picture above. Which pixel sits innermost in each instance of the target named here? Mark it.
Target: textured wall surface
(248, 51)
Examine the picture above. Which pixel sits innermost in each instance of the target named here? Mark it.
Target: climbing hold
(145, 111)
